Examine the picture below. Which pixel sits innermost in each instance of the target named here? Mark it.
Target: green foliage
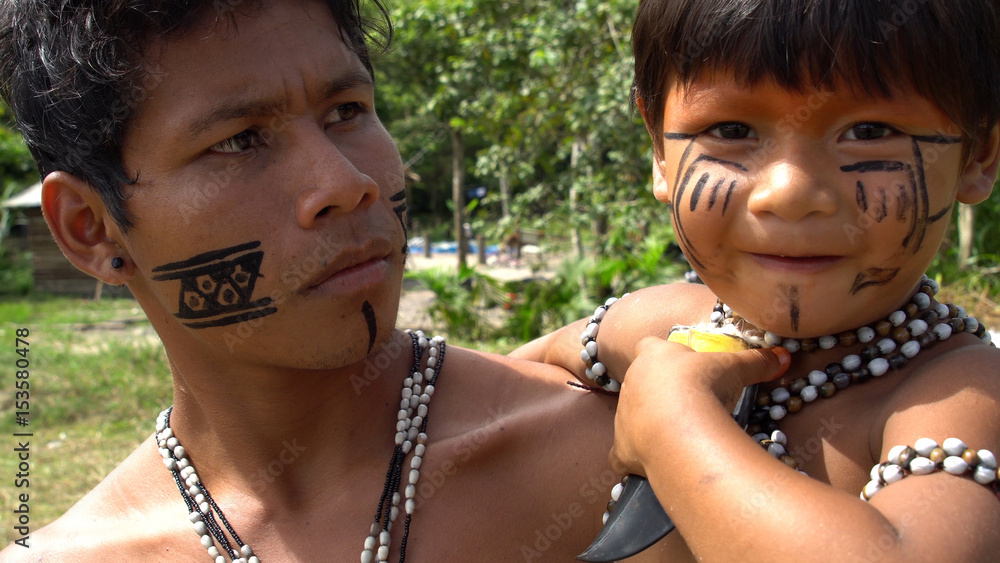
(16, 164)
(523, 82)
(982, 276)
(476, 306)
(462, 300)
(15, 273)
(17, 168)
(643, 267)
(539, 306)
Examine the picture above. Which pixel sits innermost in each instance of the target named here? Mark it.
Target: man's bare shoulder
(516, 435)
(122, 517)
(521, 389)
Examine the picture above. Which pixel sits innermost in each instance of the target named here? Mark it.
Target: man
(225, 162)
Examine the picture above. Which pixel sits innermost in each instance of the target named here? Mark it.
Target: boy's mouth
(797, 264)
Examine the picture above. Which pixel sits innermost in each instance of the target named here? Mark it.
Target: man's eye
(868, 132)
(345, 112)
(239, 142)
(733, 131)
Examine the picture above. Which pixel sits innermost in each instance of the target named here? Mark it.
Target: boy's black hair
(71, 71)
(944, 50)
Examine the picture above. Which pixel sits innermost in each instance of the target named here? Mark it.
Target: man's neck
(237, 422)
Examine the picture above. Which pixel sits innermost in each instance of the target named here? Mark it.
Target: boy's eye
(345, 112)
(242, 141)
(733, 131)
(868, 132)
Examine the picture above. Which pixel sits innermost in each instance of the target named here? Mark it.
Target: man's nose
(331, 182)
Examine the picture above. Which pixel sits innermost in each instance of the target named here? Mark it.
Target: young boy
(225, 161)
(810, 153)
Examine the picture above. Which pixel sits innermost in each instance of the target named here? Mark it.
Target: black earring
(117, 262)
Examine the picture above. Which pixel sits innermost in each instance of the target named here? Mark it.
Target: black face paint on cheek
(861, 197)
(678, 136)
(715, 193)
(400, 210)
(873, 277)
(913, 204)
(369, 312)
(681, 185)
(883, 207)
(696, 192)
(729, 193)
(902, 203)
(217, 287)
(677, 189)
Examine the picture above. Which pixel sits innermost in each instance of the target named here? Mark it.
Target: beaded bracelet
(597, 371)
(926, 457)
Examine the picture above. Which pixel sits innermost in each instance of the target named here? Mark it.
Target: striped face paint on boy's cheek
(895, 190)
(706, 182)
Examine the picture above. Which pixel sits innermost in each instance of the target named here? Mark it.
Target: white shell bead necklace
(205, 515)
(891, 343)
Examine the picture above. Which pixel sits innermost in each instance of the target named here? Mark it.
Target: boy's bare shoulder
(953, 392)
(124, 516)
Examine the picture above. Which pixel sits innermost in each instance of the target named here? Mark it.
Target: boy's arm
(731, 500)
(648, 312)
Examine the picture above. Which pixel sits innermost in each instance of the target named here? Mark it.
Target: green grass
(93, 396)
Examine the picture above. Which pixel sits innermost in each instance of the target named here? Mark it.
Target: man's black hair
(72, 71)
(944, 50)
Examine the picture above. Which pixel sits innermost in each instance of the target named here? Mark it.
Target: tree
(17, 168)
(539, 93)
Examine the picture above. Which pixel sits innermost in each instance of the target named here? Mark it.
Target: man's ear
(83, 228)
(981, 171)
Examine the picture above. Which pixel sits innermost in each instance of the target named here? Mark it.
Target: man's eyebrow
(249, 106)
(356, 78)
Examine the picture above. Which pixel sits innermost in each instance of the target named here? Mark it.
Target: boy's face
(807, 212)
(269, 208)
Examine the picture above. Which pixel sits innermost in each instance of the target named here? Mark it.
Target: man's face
(269, 207)
(807, 212)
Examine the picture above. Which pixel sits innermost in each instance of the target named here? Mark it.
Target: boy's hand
(668, 379)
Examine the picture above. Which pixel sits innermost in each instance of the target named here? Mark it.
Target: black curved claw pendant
(638, 519)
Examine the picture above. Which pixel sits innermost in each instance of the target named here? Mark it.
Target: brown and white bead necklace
(411, 426)
(891, 344)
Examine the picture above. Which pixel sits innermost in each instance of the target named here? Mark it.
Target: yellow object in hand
(703, 341)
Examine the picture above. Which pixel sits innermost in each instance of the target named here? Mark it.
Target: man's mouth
(352, 270)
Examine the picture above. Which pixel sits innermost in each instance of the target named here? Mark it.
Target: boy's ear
(83, 229)
(640, 103)
(660, 188)
(981, 171)
(661, 191)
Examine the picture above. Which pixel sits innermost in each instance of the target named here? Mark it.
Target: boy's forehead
(723, 90)
(709, 85)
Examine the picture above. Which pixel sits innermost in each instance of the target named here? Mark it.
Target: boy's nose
(329, 181)
(792, 192)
